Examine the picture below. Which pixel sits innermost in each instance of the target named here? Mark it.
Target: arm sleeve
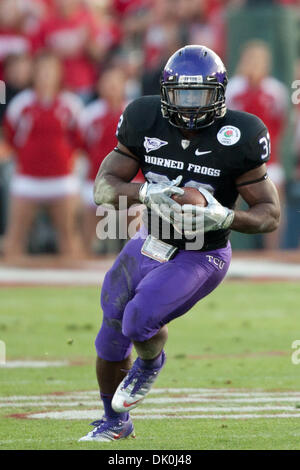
(258, 150)
(255, 151)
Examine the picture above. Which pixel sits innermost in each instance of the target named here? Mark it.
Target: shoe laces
(142, 377)
(105, 425)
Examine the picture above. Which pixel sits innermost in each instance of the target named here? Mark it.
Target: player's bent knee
(111, 345)
(134, 326)
(134, 333)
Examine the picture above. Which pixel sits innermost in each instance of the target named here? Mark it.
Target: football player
(185, 137)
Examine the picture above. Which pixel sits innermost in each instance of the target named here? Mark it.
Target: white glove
(157, 197)
(195, 219)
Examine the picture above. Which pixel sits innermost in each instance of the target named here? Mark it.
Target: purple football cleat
(109, 430)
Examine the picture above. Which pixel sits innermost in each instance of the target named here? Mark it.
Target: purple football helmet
(193, 88)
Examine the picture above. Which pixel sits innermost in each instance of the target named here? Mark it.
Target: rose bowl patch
(229, 135)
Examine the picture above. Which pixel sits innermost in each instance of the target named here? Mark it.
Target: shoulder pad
(142, 113)
(248, 139)
(249, 125)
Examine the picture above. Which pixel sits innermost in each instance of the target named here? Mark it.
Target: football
(190, 196)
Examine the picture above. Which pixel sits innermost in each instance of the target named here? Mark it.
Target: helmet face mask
(192, 97)
(193, 101)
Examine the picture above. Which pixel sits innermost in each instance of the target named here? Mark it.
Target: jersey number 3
(266, 143)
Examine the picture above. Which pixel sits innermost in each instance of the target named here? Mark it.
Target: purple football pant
(140, 295)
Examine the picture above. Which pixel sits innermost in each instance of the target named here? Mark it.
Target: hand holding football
(191, 196)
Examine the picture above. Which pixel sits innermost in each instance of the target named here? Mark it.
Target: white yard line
(263, 268)
(147, 410)
(162, 400)
(208, 404)
(238, 416)
(63, 401)
(92, 414)
(34, 276)
(32, 364)
(44, 404)
(217, 391)
(41, 398)
(192, 397)
(193, 393)
(220, 409)
(221, 399)
(240, 268)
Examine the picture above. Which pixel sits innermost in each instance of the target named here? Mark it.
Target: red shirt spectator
(268, 101)
(35, 12)
(97, 133)
(13, 39)
(97, 128)
(98, 122)
(68, 36)
(127, 7)
(42, 134)
(161, 35)
(106, 34)
(255, 91)
(12, 42)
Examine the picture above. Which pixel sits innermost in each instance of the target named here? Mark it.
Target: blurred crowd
(70, 67)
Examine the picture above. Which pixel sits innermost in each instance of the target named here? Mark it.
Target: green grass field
(236, 342)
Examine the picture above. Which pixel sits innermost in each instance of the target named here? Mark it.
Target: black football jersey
(213, 158)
